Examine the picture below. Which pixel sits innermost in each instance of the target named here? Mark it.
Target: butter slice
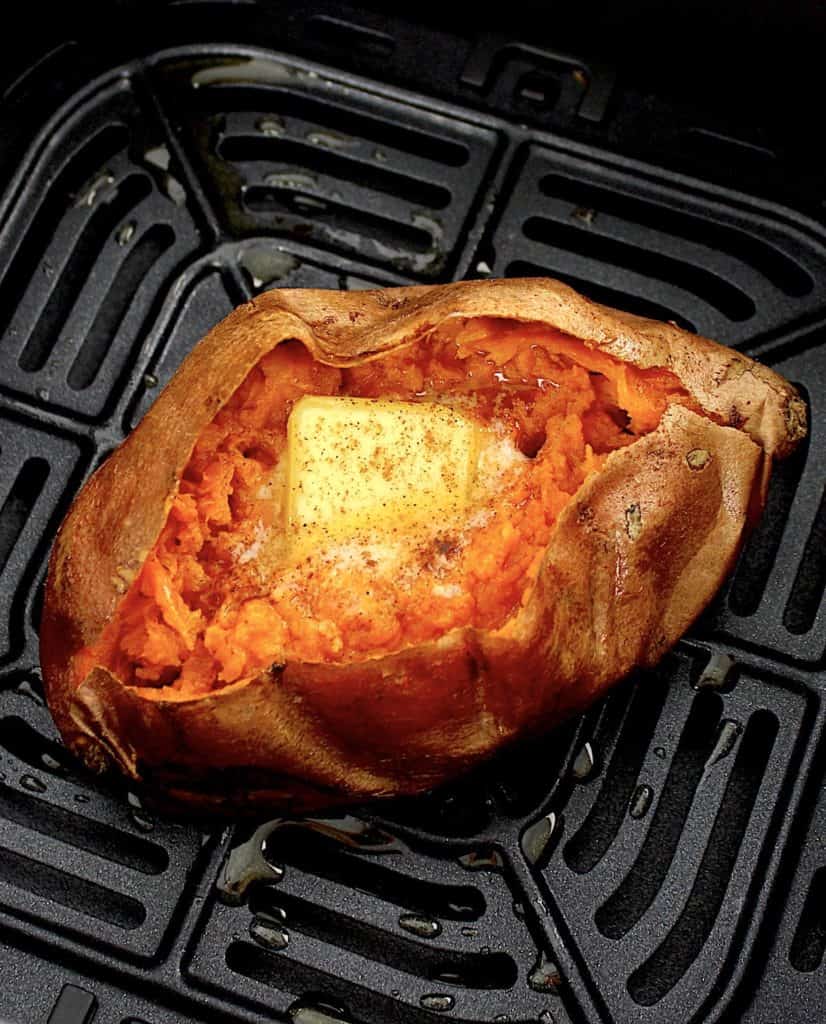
(357, 465)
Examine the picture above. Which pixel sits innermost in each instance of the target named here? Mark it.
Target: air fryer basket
(659, 860)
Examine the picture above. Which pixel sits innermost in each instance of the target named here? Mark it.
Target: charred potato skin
(635, 557)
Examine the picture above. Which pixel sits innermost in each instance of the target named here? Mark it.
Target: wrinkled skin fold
(634, 557)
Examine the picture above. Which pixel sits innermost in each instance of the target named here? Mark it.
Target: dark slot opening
(121, 847)
(37, 604)
(807, 589)
(277, 152)
(322, 856)
(602, 293)
(19, 504)
(232, 97)
(70, 891)
(28, 746)
(588, 845)
(762, 256)
(457, 810)
(115, 305)
(520, 776)
(523, 776)
(323, 996)
(680, 948)
(279, 202)
(757, 559)
(472, 970)
(637, 891)
(282, 972)
(24, 266)
(809, 940)
(345, 37)
(85, 254)
(718, 292)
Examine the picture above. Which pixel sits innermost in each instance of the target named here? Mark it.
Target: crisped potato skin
(634, 558)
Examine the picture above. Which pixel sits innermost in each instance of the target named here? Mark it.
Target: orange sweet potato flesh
(166, 656)
(211, 605)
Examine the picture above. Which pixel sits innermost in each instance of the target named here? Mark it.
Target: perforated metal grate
(282, 152)
(633, 239)
(658, 859)
(92, 231)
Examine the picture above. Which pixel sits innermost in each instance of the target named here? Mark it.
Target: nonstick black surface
(661, 860)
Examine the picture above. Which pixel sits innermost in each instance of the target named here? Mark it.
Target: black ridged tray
(659, 860)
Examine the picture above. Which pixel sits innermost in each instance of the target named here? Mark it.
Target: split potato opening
(336, 513)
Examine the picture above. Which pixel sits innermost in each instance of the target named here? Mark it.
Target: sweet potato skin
(636, 555)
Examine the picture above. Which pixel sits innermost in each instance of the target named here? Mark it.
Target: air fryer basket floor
(659, 860)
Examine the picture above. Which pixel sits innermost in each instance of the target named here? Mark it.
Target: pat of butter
(361, 464)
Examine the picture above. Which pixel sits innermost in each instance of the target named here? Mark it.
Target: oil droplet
(380, 155)
(317, 1013)
(27, 690)
(265, 265)
(716, 673)
(395, 993)
(583, 765)
(468, 932)
(659, 752)
(133, 799)
(52, 764)
(544, 976)
(158, 156)
(150, 380)
(81, 798)
(245, 70)
(424, 927)
(585, 214)
(486, 859)
(269, 934)
(142, 821)
(159, 160)
(270, 125)
(536, 838)
(641, 801)
(482, 267)
(439, 1002)
(309, 204)
(501, 1017)
(332, 140)
(125, 232)
(290, 180)
(33, 784)
(727, 735)
(88, 196)
(43, 394)
(246, 862)
(173, 189)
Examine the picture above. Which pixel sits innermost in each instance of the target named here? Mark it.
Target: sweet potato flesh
(219, 599)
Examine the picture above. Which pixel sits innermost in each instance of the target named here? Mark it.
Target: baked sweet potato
(172, 649)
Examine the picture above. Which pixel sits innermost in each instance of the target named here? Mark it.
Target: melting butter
(358, 465)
